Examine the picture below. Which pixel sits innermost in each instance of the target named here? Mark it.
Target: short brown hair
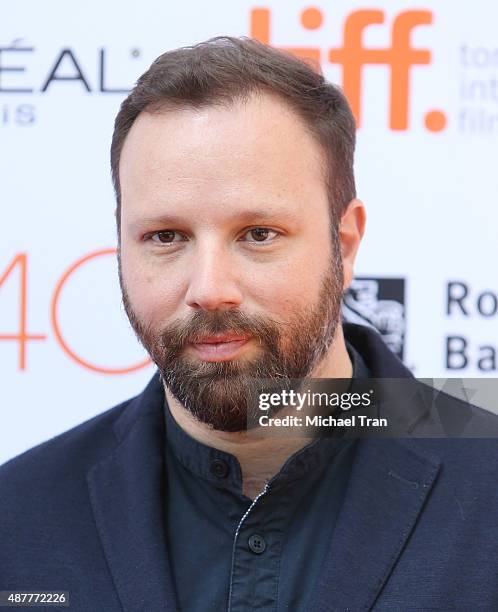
(225, 69)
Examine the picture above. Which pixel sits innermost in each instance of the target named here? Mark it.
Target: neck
(261, 458)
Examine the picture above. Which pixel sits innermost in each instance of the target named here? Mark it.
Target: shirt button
(257, 544)
(219, 468)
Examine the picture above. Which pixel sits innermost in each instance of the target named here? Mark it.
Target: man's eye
(260, 234)
(166, 237)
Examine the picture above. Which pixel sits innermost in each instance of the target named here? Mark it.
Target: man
(238, 228)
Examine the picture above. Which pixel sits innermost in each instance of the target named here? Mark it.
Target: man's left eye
(260, 234)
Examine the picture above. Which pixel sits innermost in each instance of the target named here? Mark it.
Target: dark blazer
(418, 529)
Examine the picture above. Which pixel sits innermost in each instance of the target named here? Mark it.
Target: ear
(351, 231)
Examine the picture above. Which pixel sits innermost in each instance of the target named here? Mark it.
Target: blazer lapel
(126, 492)
(390, 482)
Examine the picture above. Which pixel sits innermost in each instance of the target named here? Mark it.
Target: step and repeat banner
(422, 79)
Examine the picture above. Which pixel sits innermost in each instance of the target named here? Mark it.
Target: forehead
(253, 152)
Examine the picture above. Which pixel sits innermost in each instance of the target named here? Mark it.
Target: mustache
(203, 323)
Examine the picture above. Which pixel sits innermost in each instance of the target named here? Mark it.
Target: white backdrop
(428, 177)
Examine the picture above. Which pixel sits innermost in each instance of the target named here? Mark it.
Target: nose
(213, 283)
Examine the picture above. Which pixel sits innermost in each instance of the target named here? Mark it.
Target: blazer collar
(127, 491)
(379, 359)
(389, 484)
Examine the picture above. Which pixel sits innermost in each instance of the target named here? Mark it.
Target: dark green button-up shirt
(229, 552)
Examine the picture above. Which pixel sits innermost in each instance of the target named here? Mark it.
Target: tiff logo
(352, 56)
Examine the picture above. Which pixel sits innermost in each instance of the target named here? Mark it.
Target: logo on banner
(19, 64)
(466, 304)
(353, 55)
(378, 303)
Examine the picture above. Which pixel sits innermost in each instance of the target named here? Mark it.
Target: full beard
(223, 394)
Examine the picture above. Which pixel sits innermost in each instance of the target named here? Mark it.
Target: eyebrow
(243, 217)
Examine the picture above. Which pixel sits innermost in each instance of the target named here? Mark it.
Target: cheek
(154, 297)
(286, 289)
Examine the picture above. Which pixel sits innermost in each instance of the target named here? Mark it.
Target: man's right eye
(166, 237)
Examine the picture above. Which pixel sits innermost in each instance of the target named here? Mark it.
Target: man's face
(228, 264)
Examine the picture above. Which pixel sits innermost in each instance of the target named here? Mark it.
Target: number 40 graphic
(19, 266)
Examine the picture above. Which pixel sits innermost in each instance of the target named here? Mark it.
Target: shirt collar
(209, 463)
(200, 458)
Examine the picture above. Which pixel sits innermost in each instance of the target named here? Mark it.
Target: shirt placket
(256, 556)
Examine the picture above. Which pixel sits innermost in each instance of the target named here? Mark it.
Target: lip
(219, 348)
